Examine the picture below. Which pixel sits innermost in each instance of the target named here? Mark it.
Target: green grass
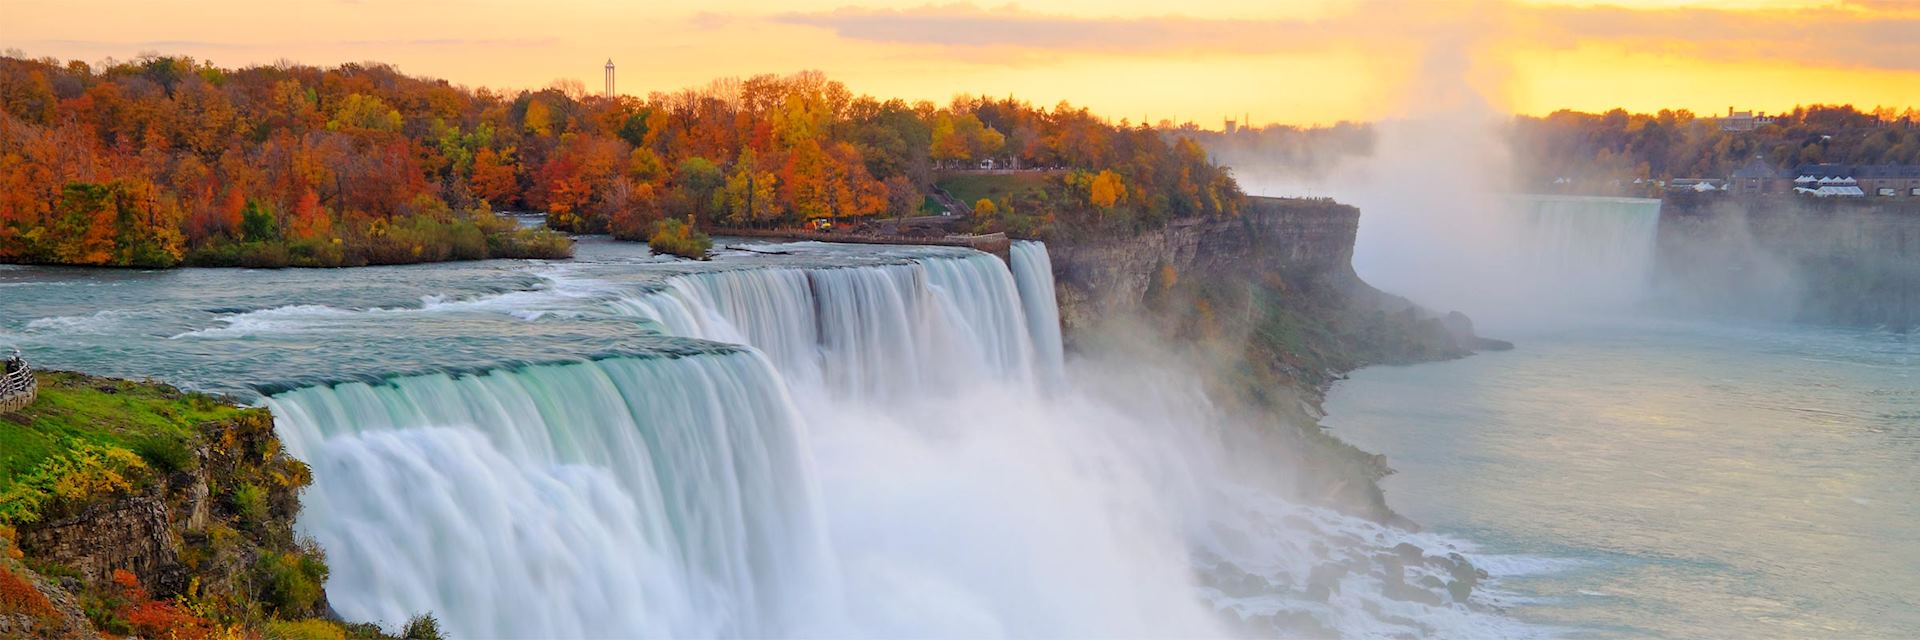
(969, 188)
(931, 207)
(153, 420)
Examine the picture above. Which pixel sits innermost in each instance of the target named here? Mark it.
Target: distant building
(1696, 185)
(1855, 181)
(1743, 120)
(1757, 177)
(609, 77)
(1889, 180)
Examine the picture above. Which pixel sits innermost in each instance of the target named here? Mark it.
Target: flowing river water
(805, 441)
(1677, 479)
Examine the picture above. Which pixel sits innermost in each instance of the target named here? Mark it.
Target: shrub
(422, 627)
(291, 582)
(84, 471)
(530, 243)
(308, 629)
(250, 501)
(166, 453)
(680, 239)
(18, 596)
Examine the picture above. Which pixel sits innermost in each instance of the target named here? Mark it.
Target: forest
(161, 161)
(1611, 153)
(1587, 152)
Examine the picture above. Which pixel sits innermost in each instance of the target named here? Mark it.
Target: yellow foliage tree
(1106, 190)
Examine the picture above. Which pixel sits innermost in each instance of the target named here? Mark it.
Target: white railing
(18, 387)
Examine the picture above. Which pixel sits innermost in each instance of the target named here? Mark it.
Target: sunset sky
(1306, 62)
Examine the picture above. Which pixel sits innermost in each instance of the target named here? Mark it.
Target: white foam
(558, 294)
(105, 321)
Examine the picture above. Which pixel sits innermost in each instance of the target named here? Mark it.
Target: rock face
(132, 533)
(1308, 242)
(202, 528)
(1270, 301)
(1793, 259)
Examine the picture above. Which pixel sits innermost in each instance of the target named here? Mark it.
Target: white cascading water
(663, 496)
(1602, 248)
(892, 467)
(865, 332)
(1033, 275)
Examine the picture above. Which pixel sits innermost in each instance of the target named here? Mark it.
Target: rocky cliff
(1306, 242)
(1268, 305)
(1846, 262)
(192, 536)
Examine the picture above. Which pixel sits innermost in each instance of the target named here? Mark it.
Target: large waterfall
(656, 496)
(1601, 248)
(891, 447)
(1514, 263)
(869, 331)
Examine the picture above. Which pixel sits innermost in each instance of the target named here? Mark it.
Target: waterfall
(880, 449)
(1033, 274)
(664, 496)
(1601, 248)
(866, 331)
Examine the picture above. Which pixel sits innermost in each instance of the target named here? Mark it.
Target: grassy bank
(969, 188)
(88, 435)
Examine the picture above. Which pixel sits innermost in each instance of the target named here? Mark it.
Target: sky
(1271, 61)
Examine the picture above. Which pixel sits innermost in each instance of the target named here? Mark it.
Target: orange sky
(1312, 61)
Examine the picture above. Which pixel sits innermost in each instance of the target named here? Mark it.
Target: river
(1670, 479)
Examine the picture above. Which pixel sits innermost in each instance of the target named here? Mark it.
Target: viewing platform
(18, 387)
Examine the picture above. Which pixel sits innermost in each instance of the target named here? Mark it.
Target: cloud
(1810, 37)
(1880, 34)
(963, 26)
(205, 45)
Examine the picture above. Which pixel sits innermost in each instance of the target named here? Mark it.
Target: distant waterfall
(656, 496)
(866, 331)
(1601, 249)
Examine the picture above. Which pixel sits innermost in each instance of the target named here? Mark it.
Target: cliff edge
(1268, 305)
(135, 509)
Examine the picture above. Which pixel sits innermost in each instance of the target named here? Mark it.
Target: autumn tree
(749, 193)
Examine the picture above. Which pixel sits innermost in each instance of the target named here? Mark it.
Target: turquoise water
(1667, 479)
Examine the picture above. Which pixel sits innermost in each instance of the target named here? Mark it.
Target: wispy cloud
(1881, 34)
(203, 45)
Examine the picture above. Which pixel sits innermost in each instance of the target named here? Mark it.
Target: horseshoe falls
(841, 441)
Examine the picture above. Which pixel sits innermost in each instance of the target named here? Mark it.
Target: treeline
(1587, 152)
(161, 160)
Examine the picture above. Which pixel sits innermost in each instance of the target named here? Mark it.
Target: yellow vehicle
(820, 224)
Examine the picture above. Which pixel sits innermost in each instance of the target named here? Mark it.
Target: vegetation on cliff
(149, 511)
(87, 438)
